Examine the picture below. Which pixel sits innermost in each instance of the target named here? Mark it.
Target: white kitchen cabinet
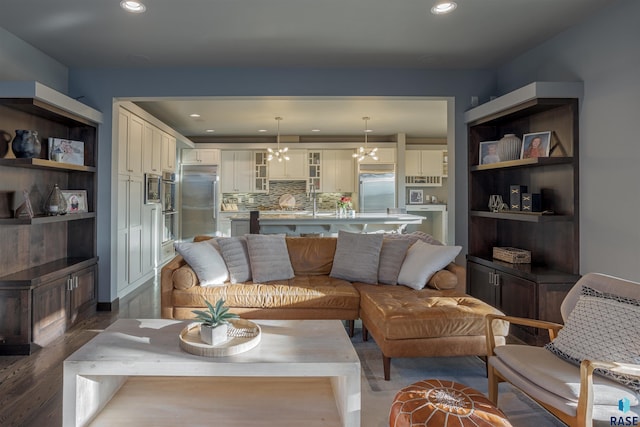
(337, 171)
(424, 167)
(200, 156)
(385, 155)
(130, 135)
(151, 149)
(237, 171)
(294, 168)
(150, 237)
(168, 152)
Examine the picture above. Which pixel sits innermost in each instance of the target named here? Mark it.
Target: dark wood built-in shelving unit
(528, 290)
(48, 267)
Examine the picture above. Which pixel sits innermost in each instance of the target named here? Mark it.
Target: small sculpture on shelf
(55, 204)
(25, 210)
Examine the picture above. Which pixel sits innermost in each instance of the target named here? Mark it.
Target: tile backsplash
(297, 188)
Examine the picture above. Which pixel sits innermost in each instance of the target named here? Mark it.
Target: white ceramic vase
(509, 147)
(214, 335)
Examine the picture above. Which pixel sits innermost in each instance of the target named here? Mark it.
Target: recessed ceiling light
(194, 115)
(133, 6)
(210, 130)
(368, 130)
(262, 130)
(444, 7)
(315, 130)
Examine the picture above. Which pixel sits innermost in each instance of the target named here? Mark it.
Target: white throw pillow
(603, 327)
(205, 261)
(423, 261)
(269, 257)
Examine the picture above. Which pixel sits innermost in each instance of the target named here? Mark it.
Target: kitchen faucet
(315, 200)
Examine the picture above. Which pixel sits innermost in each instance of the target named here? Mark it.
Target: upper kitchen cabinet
(385, 155)
(337, 171)
(237, 171)
(424, 167)
(168, 153)
(292, 169)
(200, 156)
(151, 149)
(130, 137)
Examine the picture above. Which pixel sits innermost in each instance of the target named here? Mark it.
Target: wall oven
(152, 188)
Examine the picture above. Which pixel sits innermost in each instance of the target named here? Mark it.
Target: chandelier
(278, 153)
(364, 152)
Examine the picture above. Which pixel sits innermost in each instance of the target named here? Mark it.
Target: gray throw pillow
(205, 261)
(391, 257)
(269, 257)
(236, 256)
(357, 257)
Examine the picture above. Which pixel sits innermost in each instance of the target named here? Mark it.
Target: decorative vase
(214, 335)
(509, 147)
(26, 144)
(55, 204)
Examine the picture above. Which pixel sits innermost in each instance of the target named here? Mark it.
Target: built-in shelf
(534, 272)
(540, 161)
(522, 216)
(45, 272)
(45, 164)
(47, 219)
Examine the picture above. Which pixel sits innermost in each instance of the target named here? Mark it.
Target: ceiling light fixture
(278, 153)
(194, 115)
(364, 152)
(444, 7)
(133, 6)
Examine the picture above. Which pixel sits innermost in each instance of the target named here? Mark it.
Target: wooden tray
(191, 343)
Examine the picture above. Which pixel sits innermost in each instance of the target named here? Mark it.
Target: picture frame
(416, 197)
(66, 151)
(535, 145)
(76, 200)
(488, 151)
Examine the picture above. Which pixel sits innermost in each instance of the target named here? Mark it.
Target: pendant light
(364, 152)
(278, 153)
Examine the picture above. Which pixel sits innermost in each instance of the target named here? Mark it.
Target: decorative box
(512, 255)
(515, 196)
(531, 202)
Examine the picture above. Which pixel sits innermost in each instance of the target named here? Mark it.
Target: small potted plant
(214, 322)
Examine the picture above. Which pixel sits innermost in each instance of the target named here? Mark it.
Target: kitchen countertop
(331, 218)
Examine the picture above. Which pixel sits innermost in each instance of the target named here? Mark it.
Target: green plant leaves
(215, 315)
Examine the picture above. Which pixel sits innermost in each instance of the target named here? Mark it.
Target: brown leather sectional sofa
(439, 320)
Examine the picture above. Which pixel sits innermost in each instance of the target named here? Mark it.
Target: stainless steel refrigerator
(377, 188)
(199, 190)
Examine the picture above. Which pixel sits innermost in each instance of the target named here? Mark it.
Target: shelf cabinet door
(294, 168)
(82, 296)
(237, 171)
(15, 328)
(200, 156)
(168, 152)
(338, 171)
(50, 310)
(480, 283)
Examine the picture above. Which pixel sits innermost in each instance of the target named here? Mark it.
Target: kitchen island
(328, 223)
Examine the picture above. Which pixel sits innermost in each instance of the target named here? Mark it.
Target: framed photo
(76, 200)
(416, 197)
(535, 145)
(489, 153)
(66, 151)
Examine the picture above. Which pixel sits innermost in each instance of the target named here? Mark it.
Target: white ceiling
(290, 33)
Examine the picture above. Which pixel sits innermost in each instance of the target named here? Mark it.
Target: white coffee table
(303, 372)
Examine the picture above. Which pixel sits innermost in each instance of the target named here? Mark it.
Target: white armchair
(570, 391)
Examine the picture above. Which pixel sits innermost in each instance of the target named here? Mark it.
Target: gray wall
(99, 88)
(21, 61)
(602, 52)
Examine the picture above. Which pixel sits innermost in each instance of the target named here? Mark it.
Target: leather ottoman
(438, 403)
(406, 322)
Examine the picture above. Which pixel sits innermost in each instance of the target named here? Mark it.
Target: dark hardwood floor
(31, 386)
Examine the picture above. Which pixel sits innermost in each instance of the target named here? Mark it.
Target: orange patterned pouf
(438, 403)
